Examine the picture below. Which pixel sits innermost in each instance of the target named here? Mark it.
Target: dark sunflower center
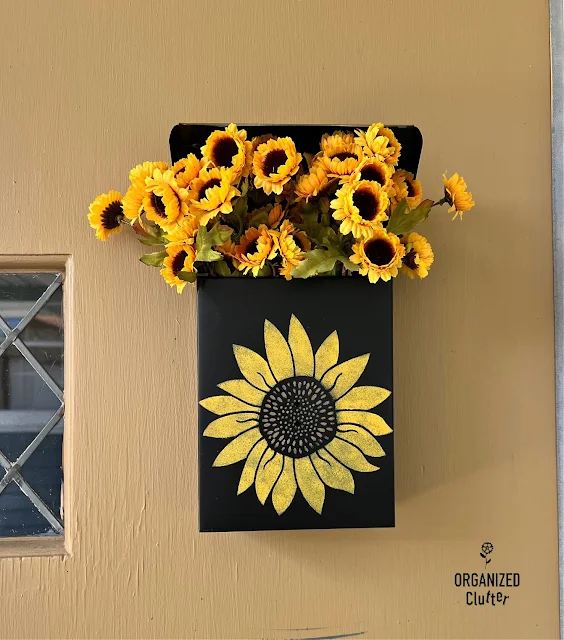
(158, 205)
(448, 198)
(409, 260)
(366, 203)
(223, 152)
(410, 189)
(344, 155)
(208, 185)
(298, 417)
(112, 215)
(178, 262)
(370, 172)
(379, 251)
(273, 161)
(253, 247)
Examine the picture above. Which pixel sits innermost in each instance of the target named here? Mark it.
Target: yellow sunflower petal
(313, 490)
(362, 398)
(277, 352)
(301, 348)
(250, 469)
(238, 449)
(341, 378)
(231, 425)
(327, 355)
(254, 368)
(349, 455)
(268, 470)
(362, 439)
(285, 488)
(244, 391)
(370, 421)
(332, 472)
(220, 405)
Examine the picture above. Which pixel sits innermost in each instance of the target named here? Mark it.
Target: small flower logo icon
(487, 548)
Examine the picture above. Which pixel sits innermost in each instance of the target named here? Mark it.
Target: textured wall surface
(88, 89)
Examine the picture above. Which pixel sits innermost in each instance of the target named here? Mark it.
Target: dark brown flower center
(207, 185)
(344, 155)
(223, 152)
(178, 262)
(252, 247)
(410, 189)
(273, 161)
(158, 205)
(379, 251)
(410, 260)
(373, 173)
(112, 215)
(448, 198)
(366, 203)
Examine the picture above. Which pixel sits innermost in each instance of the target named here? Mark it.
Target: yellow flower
(229, 149)
(336, 138)
(165, 202)
(180, 257)
(255, 248)
(133, 199)
(106, 214)
(361, 206)
(258, 140)
(391, 153)
(293, 246)
(406, 186)
(296, 419)
(379, 141)
(379, 255)
(419, 257)
(275, 216)
(186, 169)
(375, 170)
(456, 195)
(274, 163)
(184, 233)
(311, 184)
(340, 159)
(227, 249)
(212, 193)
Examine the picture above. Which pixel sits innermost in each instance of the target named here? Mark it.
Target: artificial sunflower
(312, 184)
(274, 163)
(133, 199)
(456, 195)
(165, 203)
(405, 186)
(361, 207)
(418, 257)
(212, 193)
(106, 214)
(336, 138)
(228, 249)
(293, 246)
(378, 256)
(275, 216)
(184, 233)
(296, 419)
(376, 171)
(340, 159)
(255, 247)
(186, 169)
(381, 142)
(181, 257)
(229, 149)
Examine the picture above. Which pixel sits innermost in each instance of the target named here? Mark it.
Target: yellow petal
(332, 472)
(254, 368)
(358, 436)
(370, 421)
(349, 455)
(220, 405)
(285, 488)
(341, 378)
(238, 449)
(268, 471)
(231, 425)
(313, 490)
(250, 469)
(301, 348)
(327, 355)
(363, 398)
(243, 390)
(277, 352)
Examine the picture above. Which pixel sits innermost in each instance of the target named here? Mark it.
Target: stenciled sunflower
(297, 419)
(379, 141)
(274, 163)
(312, 184)
(405, 186)
(165, 203)
(293, 245)
(376, 171)
(378, 256)
(133, 199)
(361, 207)
(340, 159)
(457, 195)
(229, 149)
(105, 214)
(186, 169)
(419, 256)
(212, 193)
(255, 247)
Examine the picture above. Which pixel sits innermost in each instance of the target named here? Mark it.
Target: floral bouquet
(261, 208)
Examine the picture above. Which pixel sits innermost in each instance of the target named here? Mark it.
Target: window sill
(31, 547)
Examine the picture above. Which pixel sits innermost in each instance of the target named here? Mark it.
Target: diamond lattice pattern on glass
(31, 404)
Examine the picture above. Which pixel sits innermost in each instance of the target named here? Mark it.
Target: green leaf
(322, 261)
(403, 220)
(154, 259)
(222, 269)
(258, 217)
(264, 272)
(150, 241)
(187, 276)
(205, 240)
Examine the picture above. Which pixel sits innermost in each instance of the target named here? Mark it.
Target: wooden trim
(28, 547)
(34, 262)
